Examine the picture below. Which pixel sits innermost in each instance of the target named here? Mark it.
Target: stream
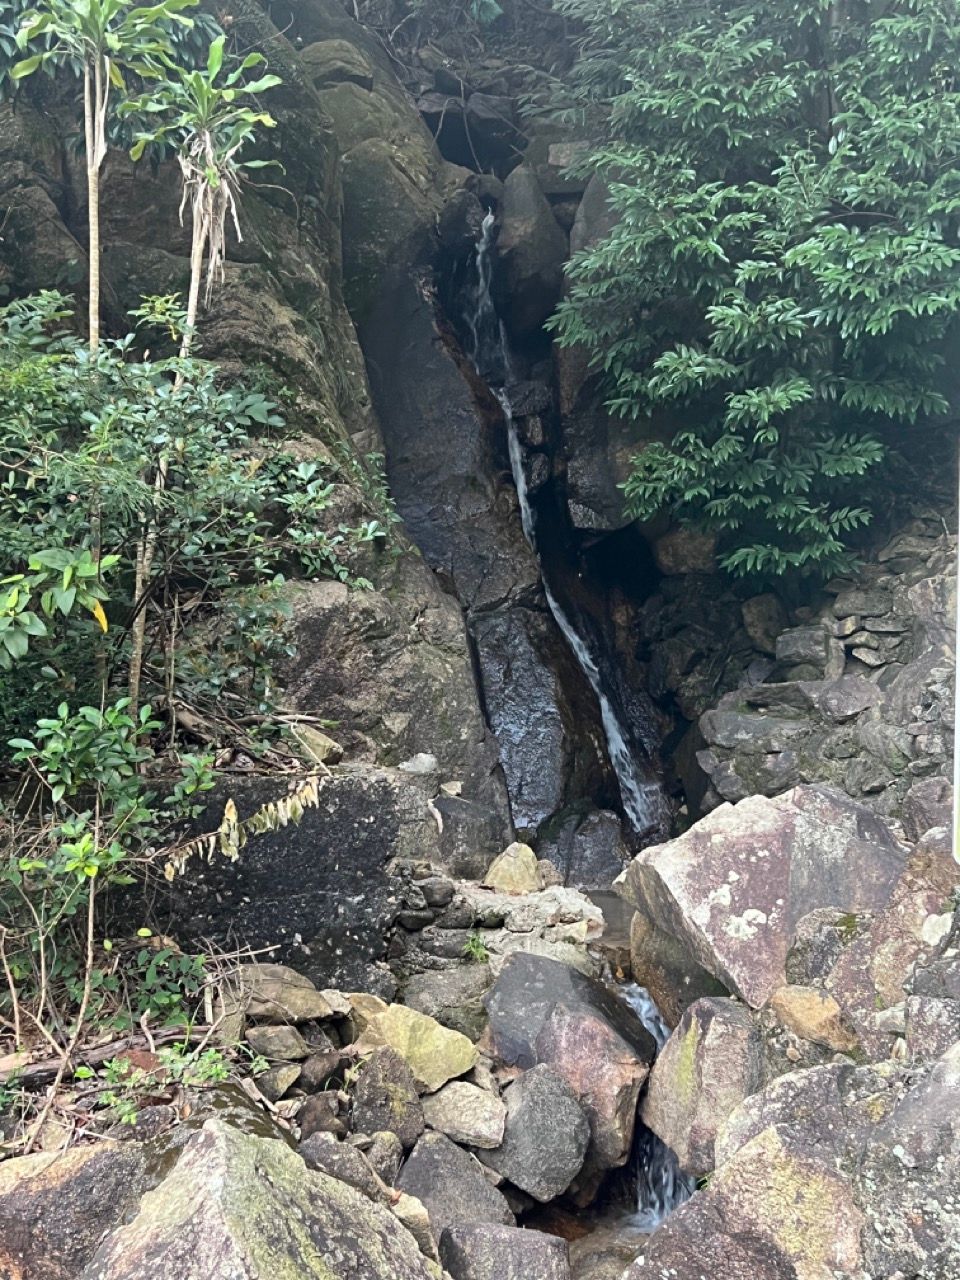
(642, 797)
(658, 1186)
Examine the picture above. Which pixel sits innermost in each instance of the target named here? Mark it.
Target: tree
(100, 39)
(208, 121)
(777, 302)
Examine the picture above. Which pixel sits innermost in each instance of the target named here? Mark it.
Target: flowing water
(643, 799)
(660, 1186)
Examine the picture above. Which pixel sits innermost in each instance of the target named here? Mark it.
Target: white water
(660, 1186)
(643, 800)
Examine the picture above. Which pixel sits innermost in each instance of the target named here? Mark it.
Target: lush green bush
(778, 300)
(98, 786)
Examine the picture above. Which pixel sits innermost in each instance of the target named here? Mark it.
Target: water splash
(660, 1185)
(643, 799)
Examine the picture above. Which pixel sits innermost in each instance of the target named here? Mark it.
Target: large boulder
(452, 1186)
(531, 251)
(733, 887)
(831, 1171)
(710, 1064)
(453, 996)
(57, 1206)
(503, 1253)
(546, 1137)
(241, 1205)
(543, 1012)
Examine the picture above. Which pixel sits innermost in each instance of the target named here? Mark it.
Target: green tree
(777, 302)
(206, 116)
(100, 39)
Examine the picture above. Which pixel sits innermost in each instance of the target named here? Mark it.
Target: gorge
(574, 909)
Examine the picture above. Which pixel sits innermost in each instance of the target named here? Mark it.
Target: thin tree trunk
(956, 701)
(92, 109)
(193, 297)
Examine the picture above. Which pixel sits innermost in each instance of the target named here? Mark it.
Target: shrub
(778, 299)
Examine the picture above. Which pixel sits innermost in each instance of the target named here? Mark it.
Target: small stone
(278, 1044)
(319, 1068)
(273, 1084)
(869, 657)
(450, 1183)
(316, 746)
(514, 871)
(319, 1115)
(467, 1114)
(434, 1053)
(322, 1151)
(385, 1154)
(276, 993)
(385, 1098)
(412, 1213)
(814, 1015)
(490, 1252)
(437, 891)
(846, 626)
(546, 1137)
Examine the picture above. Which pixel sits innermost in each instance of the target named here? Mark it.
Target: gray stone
(502, 1253)
(385, 1154)
(385, 1097)
(868, 602)
(546, 1137)
(764, 618)
(323, 1152)
(466, 1114)
(453, 996)
(278, 1044)
(452, 1186)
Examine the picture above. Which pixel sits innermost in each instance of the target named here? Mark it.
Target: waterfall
(660, 1185)
(643, 799)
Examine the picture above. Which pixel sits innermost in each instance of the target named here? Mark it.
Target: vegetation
(152, 514)
(776, 304)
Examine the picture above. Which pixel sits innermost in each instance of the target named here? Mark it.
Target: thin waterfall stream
(643, 798)
(658, 1184)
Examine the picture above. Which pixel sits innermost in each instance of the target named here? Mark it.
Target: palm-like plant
(100, 39)
(206, 115)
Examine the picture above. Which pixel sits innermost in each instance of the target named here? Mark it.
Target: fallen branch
(39, 1073)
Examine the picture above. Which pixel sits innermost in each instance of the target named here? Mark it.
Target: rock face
(502, 1253)
(859, 697)
(733, 888)
(241, 1205)
(710, 1064)
(546, 1137)
(832, 1171)
(452, 1186)
(318, 890)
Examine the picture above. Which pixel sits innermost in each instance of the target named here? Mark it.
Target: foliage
(205, 116)
(100, 789)
(777, 302)
(475, 949)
